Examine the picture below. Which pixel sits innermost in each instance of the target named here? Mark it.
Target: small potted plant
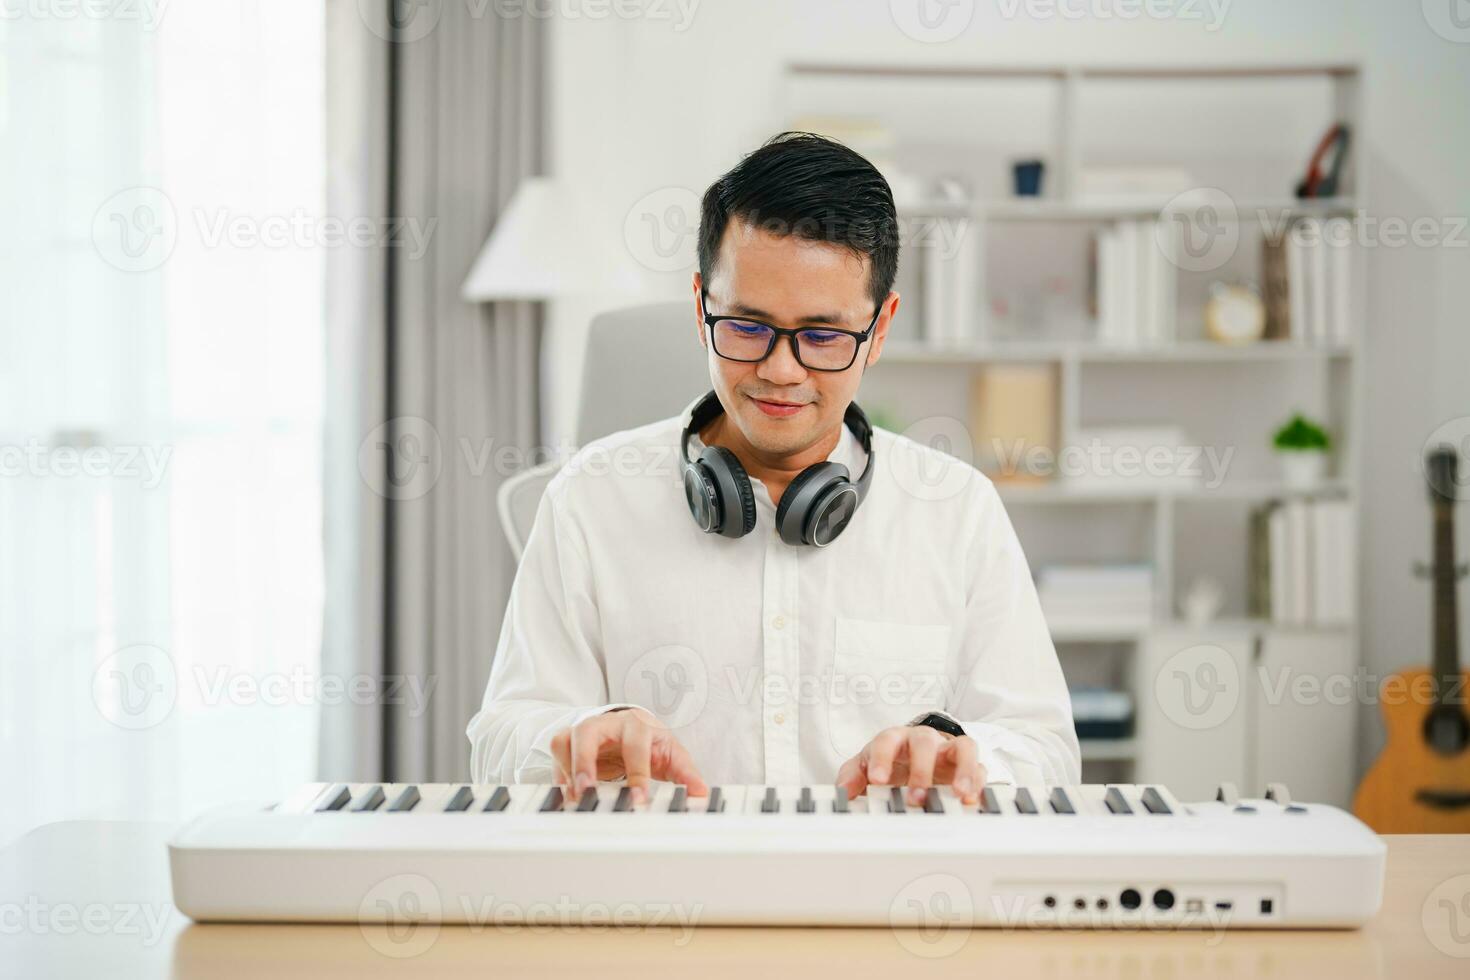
(1302, 446)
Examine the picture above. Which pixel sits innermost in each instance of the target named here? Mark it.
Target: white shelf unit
(1095, 381)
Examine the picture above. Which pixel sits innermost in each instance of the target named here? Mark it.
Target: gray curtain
(431, 134)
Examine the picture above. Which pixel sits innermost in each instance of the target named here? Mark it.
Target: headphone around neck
(817, 506)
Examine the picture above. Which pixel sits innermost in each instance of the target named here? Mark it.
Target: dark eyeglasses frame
(778, 332)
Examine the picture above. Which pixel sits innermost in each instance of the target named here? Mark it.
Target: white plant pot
(1302, 469)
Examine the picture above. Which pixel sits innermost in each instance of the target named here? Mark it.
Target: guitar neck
(1446, 620)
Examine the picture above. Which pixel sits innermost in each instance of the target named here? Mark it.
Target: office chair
(643, 363)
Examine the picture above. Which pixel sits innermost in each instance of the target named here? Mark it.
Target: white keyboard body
(1252, 863)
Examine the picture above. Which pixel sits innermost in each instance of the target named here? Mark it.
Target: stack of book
(1136, 283)
(1307, 269)
(1303, 565)
(1111, 595)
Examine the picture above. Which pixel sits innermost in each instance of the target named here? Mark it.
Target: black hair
(811, 187)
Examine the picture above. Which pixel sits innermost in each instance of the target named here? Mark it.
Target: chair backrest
(642, 364)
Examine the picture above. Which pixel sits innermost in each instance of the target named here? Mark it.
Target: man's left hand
(917, 756)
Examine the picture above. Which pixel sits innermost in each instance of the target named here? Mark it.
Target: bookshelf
(1246, 129)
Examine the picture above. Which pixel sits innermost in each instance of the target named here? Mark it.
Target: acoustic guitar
(1421, 782)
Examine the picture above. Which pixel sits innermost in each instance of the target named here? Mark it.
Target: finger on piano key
(660, 795)
(943, 799)
(587, 802)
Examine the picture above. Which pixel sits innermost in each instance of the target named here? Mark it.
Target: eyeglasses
(816, 348)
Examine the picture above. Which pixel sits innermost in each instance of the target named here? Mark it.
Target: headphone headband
(816, 507)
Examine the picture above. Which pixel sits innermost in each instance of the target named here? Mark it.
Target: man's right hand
(629, 742)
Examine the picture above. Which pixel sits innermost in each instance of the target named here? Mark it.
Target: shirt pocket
(883, 674)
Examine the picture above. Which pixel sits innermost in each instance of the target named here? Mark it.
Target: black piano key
(460, 801)
(1024, 802)
(1060, 802)
(553, 801)
(770, 804)
(680, 802)
(716, 801)
(371, 800)
(1243, 808)
(588, 802)
(336, 798)
(896, 802)
(499, 800)
(405, 801)
(624, 802)
(839, 801)
(933, 802)
(989, 803)
(1153, 801)
(806, 804)
(1114, 799)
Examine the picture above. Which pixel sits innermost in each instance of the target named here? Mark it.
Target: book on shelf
(1135, 282)
(1308, 270)
(950, 277)
(1303, 564)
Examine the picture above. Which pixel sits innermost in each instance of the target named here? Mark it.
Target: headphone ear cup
(734, 487)
(805, 489)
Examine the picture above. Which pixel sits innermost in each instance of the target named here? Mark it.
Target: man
(887, 633)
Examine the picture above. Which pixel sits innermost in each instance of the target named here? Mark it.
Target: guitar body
(1414, 788)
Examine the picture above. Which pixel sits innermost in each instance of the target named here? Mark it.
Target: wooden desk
(92, 898)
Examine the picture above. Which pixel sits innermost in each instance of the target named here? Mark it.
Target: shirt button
(780, 718)
(779, 622)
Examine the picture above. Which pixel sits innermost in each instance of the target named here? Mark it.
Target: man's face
(779, 406)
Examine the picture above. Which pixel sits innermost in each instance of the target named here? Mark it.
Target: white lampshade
(545, 246)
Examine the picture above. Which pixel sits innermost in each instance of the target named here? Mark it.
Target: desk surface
(93, 898)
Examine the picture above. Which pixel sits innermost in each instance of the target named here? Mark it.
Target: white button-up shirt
(774, 664)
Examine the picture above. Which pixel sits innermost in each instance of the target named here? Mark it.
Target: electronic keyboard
(1092, 856)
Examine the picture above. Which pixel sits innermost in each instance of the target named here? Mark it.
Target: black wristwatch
(938, 722)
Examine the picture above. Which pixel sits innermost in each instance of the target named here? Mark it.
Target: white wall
(640, 106)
